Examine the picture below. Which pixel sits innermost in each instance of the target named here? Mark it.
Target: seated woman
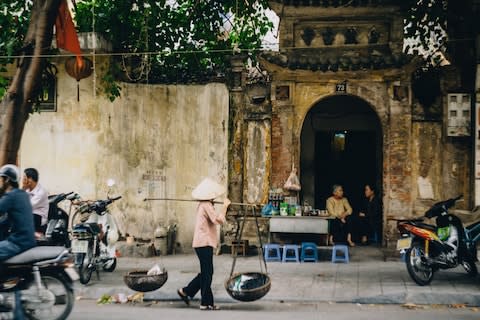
(339, 207)
(370, 215)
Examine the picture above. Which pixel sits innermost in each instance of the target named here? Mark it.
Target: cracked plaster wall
(155, 141)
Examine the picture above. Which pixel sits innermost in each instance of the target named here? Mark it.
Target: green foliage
(175, 41)
(110, 88)
(425, 29)
(14, 17)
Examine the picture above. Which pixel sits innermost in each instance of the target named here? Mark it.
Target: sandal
(214, 307)
(183, 296)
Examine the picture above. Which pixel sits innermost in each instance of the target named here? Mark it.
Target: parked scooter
(445, 245)
(43, 276)
(57, 233)
(94, 239)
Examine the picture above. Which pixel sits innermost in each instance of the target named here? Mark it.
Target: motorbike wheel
(110, 266)
(470, 267)
(84, 270)
(419, 271)
(55, 301)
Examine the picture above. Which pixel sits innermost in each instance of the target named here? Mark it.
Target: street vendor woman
(339, 207)
(204, 241)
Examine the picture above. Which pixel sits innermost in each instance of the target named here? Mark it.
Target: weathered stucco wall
(155, 141)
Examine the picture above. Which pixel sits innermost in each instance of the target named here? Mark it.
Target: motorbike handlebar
(458, 197)
(56, 199)
(441, 206)
(99, 206)
(72, 196)
(450, 202)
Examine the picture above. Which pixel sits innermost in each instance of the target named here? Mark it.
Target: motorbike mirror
(110, 183)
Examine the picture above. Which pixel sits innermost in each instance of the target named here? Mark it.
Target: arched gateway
(340, 143)
(342, 110)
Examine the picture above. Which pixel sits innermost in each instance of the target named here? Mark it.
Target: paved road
(88, 309)
(366, 279)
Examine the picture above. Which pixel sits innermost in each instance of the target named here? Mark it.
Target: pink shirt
(205, 233)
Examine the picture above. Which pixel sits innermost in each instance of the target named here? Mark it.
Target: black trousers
(37, 223)
(203, 281)
(360, 227)
(340, 231)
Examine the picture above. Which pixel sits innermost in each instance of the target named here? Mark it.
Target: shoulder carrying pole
(193, 200)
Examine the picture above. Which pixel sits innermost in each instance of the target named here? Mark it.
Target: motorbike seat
(35, 254)
(426, 226)
(91, 227)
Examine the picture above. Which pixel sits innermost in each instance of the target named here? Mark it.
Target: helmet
(10, 171)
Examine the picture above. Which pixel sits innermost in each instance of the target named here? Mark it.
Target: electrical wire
(179, 52)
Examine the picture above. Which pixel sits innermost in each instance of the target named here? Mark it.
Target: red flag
(66, 34)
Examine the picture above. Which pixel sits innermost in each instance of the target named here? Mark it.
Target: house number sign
(341, 87)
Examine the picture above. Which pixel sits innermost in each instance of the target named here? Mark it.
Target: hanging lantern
(79, 68)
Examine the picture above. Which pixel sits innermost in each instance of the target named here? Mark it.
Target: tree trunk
(17, 102)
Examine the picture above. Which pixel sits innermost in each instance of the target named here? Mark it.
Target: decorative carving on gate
(351, 35)
(308, 35)
(328, 36)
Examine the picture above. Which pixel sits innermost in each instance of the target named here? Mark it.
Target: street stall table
(300, 224)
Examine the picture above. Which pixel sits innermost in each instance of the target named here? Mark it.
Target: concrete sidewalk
(367, 279)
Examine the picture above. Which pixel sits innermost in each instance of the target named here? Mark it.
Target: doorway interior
(341, 143)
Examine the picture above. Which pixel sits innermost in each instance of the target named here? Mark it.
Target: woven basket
(260, 280)
(138, 280)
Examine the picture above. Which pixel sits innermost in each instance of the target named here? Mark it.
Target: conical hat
(208, 189)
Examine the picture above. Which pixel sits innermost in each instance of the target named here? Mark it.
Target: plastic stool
(340, 248)
(286, 256)
(272, 252)
(309, 252)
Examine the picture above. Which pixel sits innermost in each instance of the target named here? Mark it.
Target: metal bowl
(248, 286)
(138, 280)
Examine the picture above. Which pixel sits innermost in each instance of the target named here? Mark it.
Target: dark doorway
(341, 143)
(347, 158)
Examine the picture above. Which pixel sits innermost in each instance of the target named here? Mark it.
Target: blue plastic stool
(272, 252)
(340, 248)
(309, 252)
(288, 248)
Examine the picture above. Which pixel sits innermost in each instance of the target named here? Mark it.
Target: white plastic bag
(155, 270)
(292, 183)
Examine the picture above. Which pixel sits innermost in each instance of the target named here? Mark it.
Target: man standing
(38, 198)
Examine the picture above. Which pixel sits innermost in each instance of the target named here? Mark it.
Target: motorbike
(447, 244)
(56, 232)
(94, 239)
(43, 277)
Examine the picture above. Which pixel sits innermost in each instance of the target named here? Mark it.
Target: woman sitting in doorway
(339, 207)
(370, 216)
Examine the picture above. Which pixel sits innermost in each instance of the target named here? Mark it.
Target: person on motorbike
(15, 203)
(38, 198)
(16, 223)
